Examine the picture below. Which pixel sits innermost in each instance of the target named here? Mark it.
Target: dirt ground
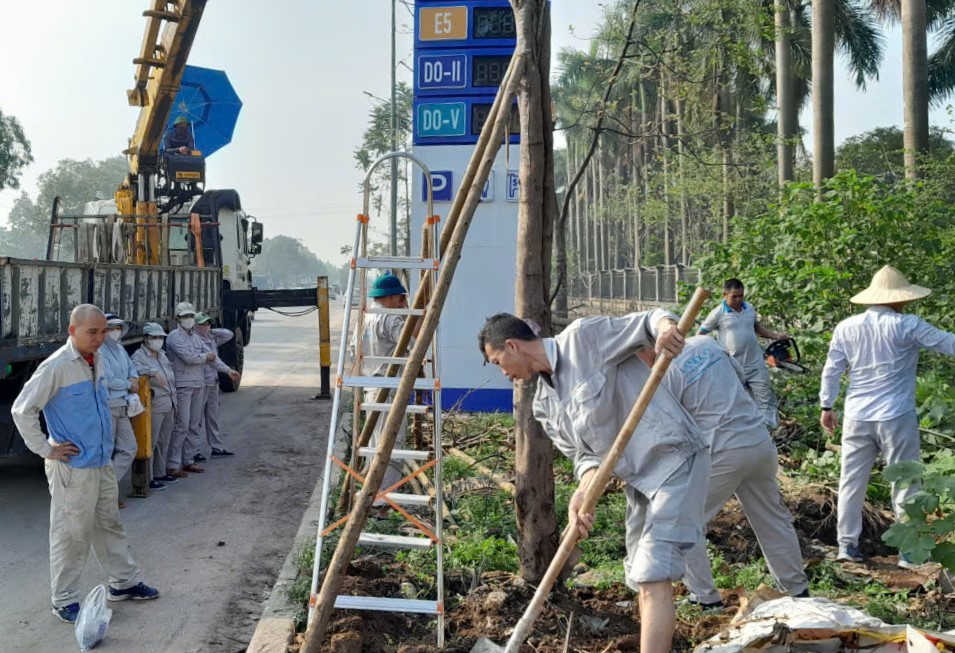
(604, 620)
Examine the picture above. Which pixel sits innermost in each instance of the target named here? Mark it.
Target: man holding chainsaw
(737, 326)
(589, 378)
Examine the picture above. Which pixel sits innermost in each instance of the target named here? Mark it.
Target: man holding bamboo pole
(589, 378)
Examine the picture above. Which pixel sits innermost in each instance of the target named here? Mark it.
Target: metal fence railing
(628, 289)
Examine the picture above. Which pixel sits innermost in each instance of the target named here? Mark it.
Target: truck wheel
(233, 353)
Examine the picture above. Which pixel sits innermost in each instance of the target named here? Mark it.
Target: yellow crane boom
(171, 27)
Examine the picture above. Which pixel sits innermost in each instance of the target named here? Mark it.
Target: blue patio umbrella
(210, 103)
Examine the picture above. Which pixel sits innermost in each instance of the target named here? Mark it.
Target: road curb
(276, 627)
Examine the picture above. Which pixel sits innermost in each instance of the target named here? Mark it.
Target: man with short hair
(70, 389)
(880, 348)
(589, 379)
(121, 379)
(737, 326)
(188, 355)
(708, 382)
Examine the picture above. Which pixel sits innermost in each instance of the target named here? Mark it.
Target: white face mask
(114, 335)
(187, 323)
(155, 345)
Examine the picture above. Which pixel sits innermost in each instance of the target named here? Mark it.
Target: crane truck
(163, 238)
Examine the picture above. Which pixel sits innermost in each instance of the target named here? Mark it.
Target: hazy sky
(301, 68)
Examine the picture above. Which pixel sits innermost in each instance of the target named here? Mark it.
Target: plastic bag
(134, 406)
(93, 619)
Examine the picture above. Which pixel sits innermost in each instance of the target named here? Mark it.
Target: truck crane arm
(171, 27)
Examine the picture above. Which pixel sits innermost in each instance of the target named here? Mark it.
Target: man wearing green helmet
(180, 140)
(379, 338)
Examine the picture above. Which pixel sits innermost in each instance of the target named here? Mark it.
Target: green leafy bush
(927, 530)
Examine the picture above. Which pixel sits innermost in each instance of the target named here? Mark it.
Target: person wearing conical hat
(880, 350)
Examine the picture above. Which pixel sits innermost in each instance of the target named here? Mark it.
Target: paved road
(213, 543)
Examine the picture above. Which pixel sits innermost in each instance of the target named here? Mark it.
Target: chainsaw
(784, 355)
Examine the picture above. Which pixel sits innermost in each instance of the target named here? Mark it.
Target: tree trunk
(533, 464)
(823, 150)
(914, 84)
(560, 246)
(684, 202)
(785, 101)
(595, 216)
(604, 218)
(665, 156)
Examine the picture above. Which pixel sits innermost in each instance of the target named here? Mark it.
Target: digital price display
(464, 23)
(458, 121)
(480, 112)
(494, 23)
(447, 72)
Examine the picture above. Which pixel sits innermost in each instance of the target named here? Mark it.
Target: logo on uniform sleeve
(694, 367)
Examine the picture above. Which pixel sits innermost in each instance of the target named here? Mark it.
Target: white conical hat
(890, 287)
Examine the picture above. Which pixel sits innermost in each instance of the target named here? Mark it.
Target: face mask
(155, 345)
(114, 335)
(187, 323)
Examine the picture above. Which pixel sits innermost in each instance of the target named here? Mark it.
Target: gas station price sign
(464, 23)
(472, 72)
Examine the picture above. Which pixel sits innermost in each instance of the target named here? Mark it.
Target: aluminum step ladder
(423, 461)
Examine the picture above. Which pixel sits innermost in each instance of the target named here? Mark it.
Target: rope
(294, 314)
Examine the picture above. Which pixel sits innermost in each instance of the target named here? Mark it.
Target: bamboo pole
(477, 172)
(485, 140)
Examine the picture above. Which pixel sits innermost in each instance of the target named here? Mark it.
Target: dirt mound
(814, 509)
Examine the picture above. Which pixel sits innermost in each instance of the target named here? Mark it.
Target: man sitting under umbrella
(180, 140)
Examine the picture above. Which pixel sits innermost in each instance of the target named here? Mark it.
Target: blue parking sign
(442, 186)
(512, 189)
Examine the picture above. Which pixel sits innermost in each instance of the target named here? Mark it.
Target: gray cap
(185, 308)
(153, 329)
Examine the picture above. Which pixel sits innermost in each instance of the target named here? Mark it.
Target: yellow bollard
(324, 339)
(143, 428)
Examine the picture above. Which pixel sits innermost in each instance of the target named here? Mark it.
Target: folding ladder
(428, 538)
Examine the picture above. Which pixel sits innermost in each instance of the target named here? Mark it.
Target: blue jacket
(75, 405)
(118, 370)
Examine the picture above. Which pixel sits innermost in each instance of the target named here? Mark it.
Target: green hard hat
(181, 120)
(387, 285)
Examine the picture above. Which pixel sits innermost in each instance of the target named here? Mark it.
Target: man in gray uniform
(880, 348)
(588, 381)
(737, 326)
(382, 329)
(708, 382)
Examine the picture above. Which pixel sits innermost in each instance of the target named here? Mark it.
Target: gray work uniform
(736, 331)
(162, 385)
(582, 405)
(709, 384)
(187, 353)
(210, 410)
(379, 338)
(120, 373)
(880, 348)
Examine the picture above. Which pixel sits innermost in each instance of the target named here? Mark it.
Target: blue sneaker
(67, 613)
(849, 554)
(199, 458)
(140, 592)
(905, 562)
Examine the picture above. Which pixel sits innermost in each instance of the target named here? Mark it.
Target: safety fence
(628, 289)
